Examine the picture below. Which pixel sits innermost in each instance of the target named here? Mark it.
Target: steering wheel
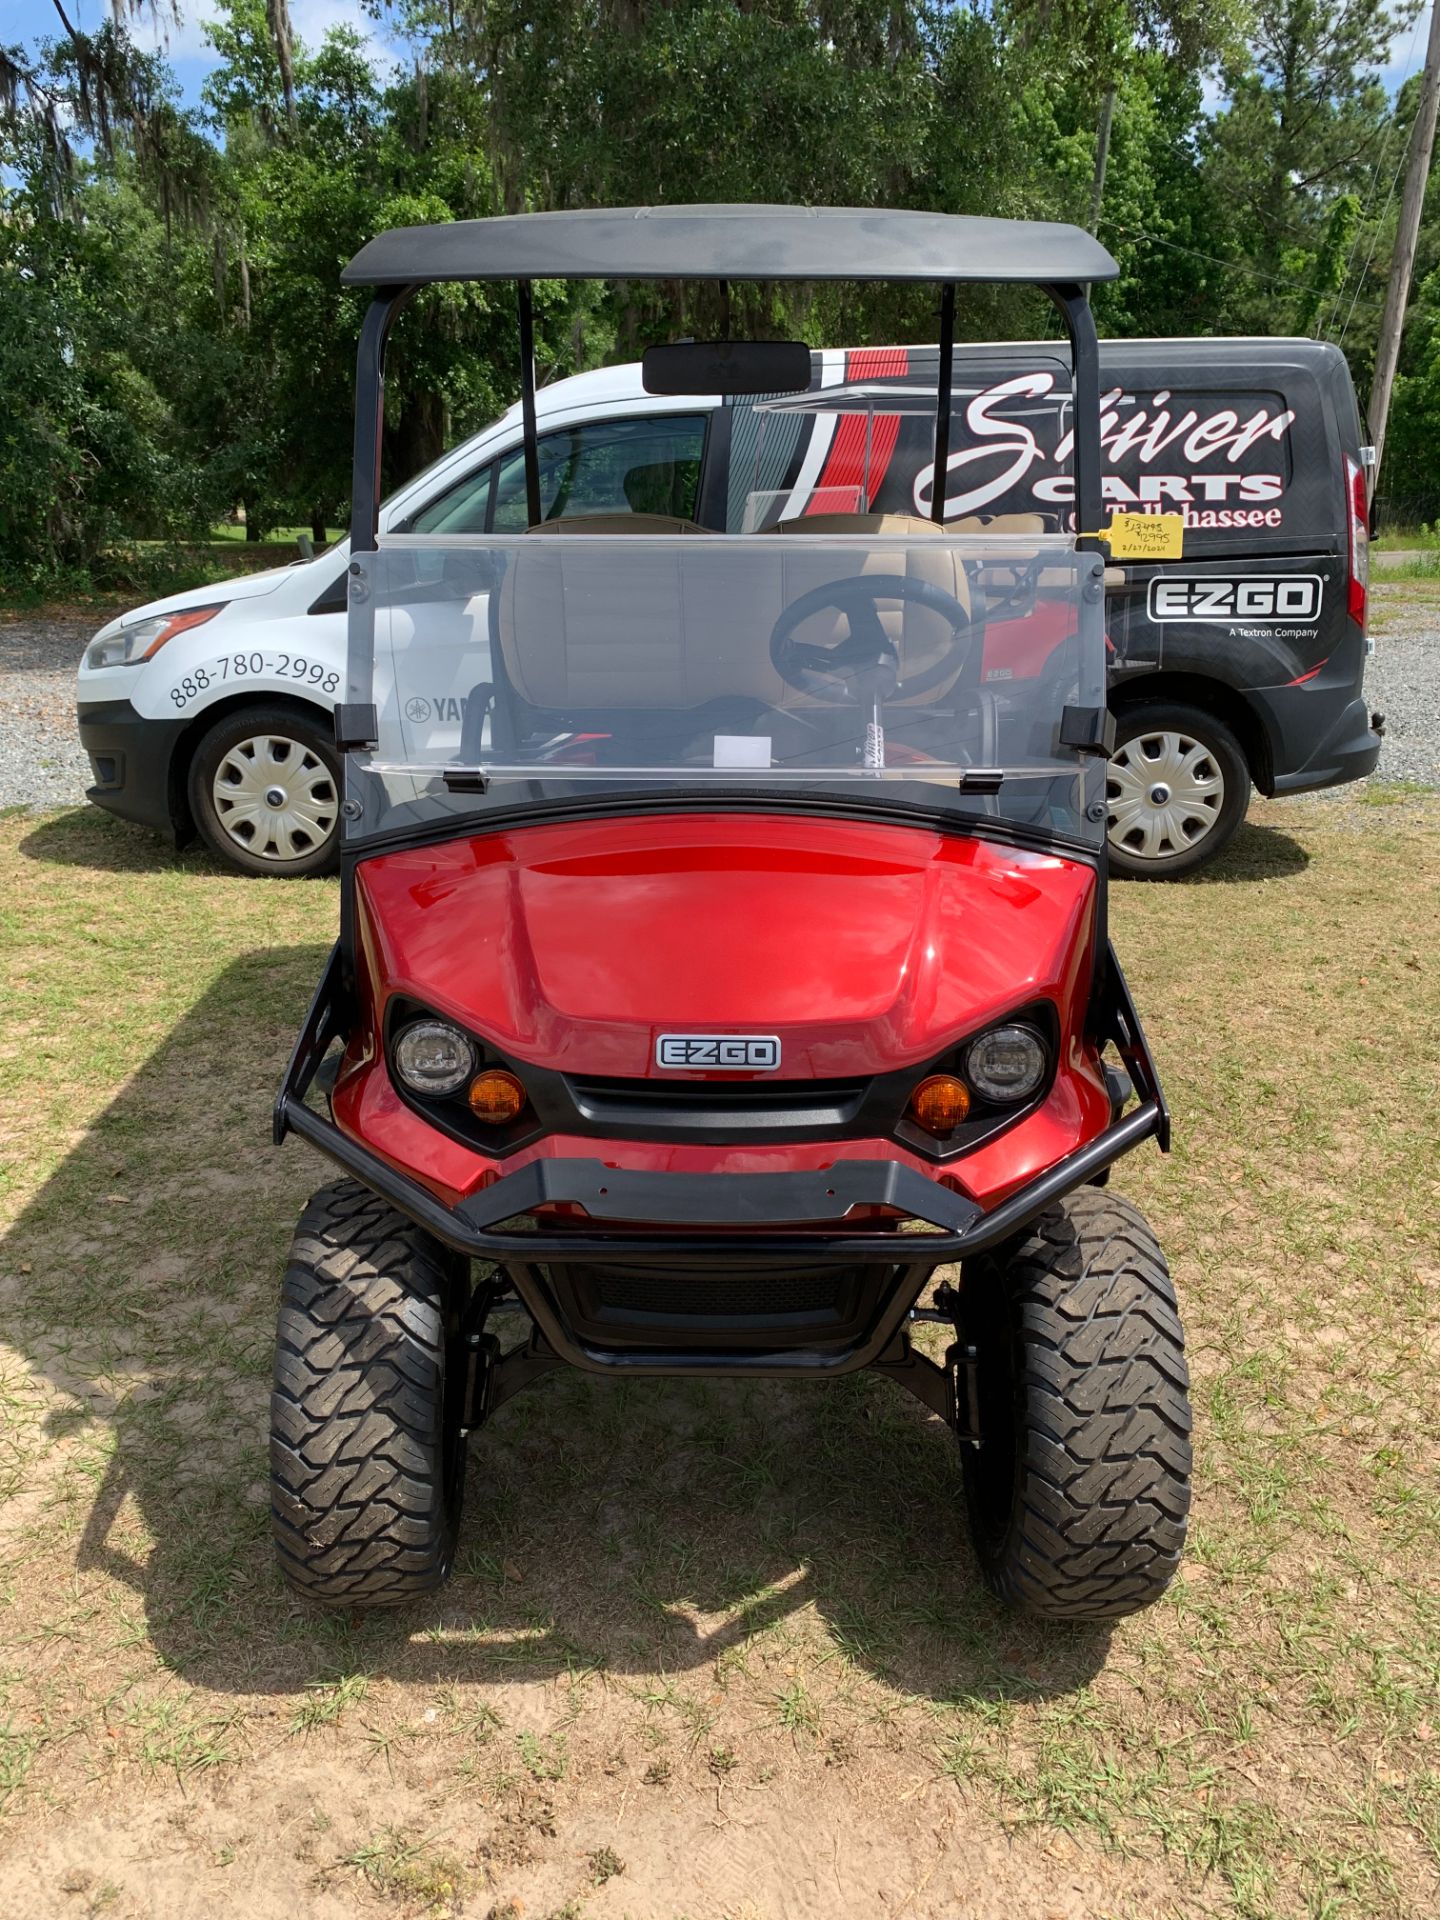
(866, 663)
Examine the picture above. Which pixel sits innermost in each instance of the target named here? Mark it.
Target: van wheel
(1176, 790)
(367, 1454)
(1079, 1490)
(265, 792)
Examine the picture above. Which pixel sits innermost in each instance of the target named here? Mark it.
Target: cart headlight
(1007, 1064)
(128, 646)
(433, 1057)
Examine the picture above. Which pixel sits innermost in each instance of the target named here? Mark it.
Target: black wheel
(1079, 1492)
(367, 1460)
(265, 791)
(1176, 790)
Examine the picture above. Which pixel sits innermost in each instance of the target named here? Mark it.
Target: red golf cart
(722, 955)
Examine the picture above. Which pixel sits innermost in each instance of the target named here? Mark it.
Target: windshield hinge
(981, 780)
(1088, 730)
(466, 780)
(356, 727)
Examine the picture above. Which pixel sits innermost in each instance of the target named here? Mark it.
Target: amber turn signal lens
(940, 1103)
(496, 1098)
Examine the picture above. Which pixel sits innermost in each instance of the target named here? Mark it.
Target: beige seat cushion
(1003, 572)
(602, 633)
(613, 523)
(999, 523)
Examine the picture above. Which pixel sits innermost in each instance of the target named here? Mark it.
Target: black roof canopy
(732, 243)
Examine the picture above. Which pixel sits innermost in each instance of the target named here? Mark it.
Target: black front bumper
(638, 1223)
(131, 758)
(723, 1216)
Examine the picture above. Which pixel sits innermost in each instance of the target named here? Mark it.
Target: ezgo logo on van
(1257, 598)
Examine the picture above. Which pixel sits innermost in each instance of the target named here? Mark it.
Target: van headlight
(1007, 1064)
(128, 646)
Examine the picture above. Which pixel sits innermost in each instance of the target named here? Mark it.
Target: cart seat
(647, 635)
(654, 524)
(1033, 523)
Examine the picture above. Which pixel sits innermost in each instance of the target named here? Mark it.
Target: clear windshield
(900, 665)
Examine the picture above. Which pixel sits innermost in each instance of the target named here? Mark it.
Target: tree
(174, 337)
(1307, 123)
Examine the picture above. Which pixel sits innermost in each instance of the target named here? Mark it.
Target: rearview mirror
(727, 366)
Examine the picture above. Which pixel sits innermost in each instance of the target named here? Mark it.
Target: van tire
(1079, 1491)
(367, 1456)
(1177, 788)
(249, 752)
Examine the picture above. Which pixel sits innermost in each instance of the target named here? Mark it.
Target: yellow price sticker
(1145, 536)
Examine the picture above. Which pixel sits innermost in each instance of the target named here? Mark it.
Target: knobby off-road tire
(367, 1463)
(1078, 1495)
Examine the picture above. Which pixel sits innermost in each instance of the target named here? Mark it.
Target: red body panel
(866, 948)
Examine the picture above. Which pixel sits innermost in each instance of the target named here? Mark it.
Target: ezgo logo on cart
(1280, 597)
(728, 1052)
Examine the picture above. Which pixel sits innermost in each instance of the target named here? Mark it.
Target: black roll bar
(527, 403)
(939, 480)
(380, 316)
(1085, 403)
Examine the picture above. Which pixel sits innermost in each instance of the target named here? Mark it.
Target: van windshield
(869, 658)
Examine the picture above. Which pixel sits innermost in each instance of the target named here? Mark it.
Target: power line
(1214, 259)
(1375, 233)
(1381, 151)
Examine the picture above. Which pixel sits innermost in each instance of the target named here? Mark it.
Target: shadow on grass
(645, 1528)
(90, 837)
(1256, 853)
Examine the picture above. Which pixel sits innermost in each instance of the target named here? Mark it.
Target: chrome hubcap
(1164, 793)
(275, 797)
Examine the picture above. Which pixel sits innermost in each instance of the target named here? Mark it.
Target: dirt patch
(717, 1651)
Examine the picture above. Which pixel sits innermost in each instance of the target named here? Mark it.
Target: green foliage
(175, 342)
(1412, 467)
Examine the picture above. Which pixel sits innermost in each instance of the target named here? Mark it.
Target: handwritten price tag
(1145, 536)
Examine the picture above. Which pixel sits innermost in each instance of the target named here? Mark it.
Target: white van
(211, 711)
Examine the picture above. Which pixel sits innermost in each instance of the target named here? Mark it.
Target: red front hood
(864, 948)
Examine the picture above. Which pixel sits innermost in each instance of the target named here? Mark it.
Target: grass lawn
(277, 536)
(718, 1652)
(1389, 539)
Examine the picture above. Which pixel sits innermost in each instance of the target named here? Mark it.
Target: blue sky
(29, 20)
(184, 46)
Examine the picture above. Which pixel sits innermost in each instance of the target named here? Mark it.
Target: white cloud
(311, 20)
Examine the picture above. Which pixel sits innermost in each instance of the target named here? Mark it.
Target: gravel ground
(41, 764)
(1403, 681)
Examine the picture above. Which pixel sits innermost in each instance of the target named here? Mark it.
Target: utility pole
(1402, 263)
(1102, 161)
(1102, 157)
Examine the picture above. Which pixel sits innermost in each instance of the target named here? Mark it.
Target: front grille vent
(704, 1104)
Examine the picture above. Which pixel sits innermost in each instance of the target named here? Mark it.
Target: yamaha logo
(1277, 597)
(725, 1052)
